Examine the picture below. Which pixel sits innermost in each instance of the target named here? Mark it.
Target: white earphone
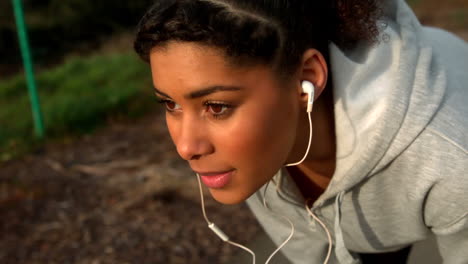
(309, 89)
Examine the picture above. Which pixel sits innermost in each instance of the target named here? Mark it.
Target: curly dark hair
(273, 32)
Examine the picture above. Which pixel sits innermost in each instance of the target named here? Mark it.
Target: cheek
(260, 136)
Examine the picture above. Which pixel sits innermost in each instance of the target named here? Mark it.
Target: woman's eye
(218, 109)
(170, 105)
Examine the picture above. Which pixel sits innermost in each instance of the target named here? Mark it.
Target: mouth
(217, 179)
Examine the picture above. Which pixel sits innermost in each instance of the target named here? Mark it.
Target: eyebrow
(205, 91)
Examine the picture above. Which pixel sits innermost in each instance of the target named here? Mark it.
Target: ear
(313, 69)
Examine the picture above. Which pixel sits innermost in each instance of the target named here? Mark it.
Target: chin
(228, 198)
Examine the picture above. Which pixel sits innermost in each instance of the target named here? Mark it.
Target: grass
(75, 98)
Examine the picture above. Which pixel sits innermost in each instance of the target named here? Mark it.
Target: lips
(216, 180)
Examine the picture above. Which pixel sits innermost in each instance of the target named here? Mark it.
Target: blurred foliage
(75, 97)
(56, 27)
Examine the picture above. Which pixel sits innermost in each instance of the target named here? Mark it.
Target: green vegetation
(75, 97)
(57, 27)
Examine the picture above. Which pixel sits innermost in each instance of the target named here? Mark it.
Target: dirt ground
(122, 195)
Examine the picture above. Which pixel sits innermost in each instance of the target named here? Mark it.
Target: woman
(388, 159)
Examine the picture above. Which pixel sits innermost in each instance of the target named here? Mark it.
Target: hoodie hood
(385, 95)
(394, 103)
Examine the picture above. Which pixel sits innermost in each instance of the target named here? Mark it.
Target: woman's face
(235, 125)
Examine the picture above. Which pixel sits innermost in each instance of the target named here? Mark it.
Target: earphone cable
(282, 216)
(215, 228)
(330, 242)
(202, 199)
(308, 145)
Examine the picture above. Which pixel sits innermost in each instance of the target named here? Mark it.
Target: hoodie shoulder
(443, 144)
(450, 122)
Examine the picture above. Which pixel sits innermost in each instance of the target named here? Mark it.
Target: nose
(193, 142)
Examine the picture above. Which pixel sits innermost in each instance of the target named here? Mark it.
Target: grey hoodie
(401, 112)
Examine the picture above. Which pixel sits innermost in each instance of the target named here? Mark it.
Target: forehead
(188, 56)
(188, 64)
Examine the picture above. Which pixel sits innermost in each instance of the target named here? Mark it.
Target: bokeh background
(105, 184)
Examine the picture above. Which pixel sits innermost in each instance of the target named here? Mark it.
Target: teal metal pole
(28, 68)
